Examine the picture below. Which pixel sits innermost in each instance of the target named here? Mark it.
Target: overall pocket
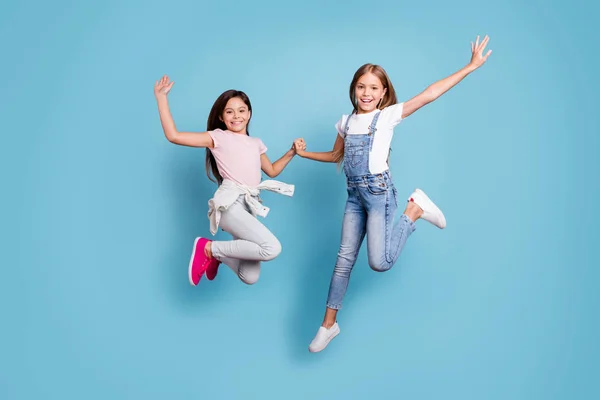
(353, 155)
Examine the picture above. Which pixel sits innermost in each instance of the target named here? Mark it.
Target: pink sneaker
(199, 262)
(212, 269)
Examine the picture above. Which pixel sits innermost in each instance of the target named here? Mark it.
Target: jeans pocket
(377, 187)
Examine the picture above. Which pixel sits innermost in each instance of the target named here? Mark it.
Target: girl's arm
(274, 169)
(325, 156)
(192, 139)
(434, 91)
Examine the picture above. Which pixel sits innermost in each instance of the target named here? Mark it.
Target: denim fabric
(370, 211)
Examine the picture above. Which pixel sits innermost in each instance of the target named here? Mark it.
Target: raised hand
(163, 86)
(477, 58)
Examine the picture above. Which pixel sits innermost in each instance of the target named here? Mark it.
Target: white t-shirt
(359, 124)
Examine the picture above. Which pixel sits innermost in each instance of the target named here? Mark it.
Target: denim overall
(370, 210)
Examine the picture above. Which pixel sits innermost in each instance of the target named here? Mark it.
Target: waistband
(385, 175)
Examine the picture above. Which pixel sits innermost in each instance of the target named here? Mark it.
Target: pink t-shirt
(238, 156)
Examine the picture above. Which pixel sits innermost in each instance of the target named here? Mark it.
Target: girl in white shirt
(363, 143)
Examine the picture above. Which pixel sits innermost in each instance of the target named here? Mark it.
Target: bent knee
(249, 277)
(379, 265)
(271, 249)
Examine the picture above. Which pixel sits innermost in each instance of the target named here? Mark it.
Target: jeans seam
(388, 239)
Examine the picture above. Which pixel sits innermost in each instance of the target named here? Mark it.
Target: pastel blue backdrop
(99, 211)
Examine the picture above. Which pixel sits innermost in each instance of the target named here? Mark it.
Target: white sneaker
(323, 337)
(431, 212)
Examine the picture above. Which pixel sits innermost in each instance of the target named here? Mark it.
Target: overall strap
(373, 129)
(347, 122)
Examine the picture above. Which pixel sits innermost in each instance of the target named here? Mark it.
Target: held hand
(299, 146)
(162, 87)
(477, 58)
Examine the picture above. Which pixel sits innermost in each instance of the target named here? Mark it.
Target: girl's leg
(386, 239)
(252, 243)
(353, 234)
(248, 271)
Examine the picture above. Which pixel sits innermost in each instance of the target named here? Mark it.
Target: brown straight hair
(215, 122)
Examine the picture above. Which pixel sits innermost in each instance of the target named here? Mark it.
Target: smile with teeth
(367, 101)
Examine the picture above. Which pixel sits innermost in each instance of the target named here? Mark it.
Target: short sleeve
(339, 126)
(262, 149)
(216, 136)
(394, 113)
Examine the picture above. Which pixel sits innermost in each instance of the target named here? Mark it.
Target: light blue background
(99, 211)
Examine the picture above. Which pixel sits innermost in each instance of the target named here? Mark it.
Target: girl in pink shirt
(236, 160)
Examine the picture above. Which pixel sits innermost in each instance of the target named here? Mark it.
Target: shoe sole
(326, 343)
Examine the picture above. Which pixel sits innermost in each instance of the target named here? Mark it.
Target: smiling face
(369, 92)
(236, 115)
(371, 89)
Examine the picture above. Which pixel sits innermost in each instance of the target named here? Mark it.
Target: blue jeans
(370, 210)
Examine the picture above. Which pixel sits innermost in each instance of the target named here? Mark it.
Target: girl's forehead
(369, 79)
(235, 102)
